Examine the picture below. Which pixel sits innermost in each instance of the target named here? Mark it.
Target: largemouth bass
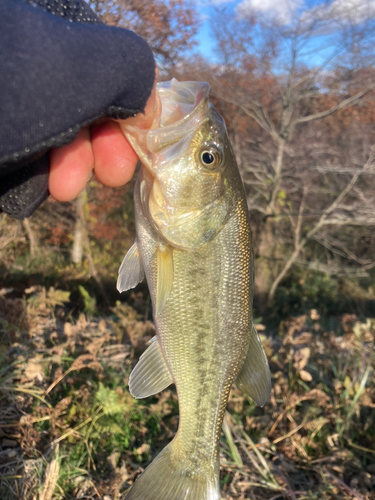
(193, 243)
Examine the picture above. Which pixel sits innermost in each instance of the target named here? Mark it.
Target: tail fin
(170, 479)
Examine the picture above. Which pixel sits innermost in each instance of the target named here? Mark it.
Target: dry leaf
(102, 325)
(314, 315)
(144, 448)
(97, 344)
(304, 338)
(260, 328)
(82, 323)
(301, 358)
(306, 376)
(62, 405)
(68, 329)
(52, 474)
(86, 361)
(34, 370)
(113, 459)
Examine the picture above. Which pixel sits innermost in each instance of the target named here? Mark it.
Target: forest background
(297, 92)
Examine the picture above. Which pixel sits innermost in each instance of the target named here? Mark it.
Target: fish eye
(210, 158)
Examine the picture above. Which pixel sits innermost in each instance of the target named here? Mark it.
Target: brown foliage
(169, 27)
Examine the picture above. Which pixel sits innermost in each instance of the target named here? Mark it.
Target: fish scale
(196, 255)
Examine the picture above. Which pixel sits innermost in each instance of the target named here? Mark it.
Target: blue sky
(282, 10)
(206, 9)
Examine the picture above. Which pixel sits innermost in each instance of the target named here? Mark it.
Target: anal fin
(131, 270)
(164, 277)
(255, 378)
(150, 374)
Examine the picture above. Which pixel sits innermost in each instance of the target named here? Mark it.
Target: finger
(152, 110)
(114, 158)
(71, 167)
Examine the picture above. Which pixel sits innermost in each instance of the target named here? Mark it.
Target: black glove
(60, 69)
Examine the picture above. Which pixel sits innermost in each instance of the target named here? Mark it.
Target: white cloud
(353, 11)
(279, 10)
(283, 11)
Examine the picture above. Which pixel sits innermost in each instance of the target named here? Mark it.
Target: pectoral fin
(164, 277)
(131, 270)
(150, 374)
(255, 378)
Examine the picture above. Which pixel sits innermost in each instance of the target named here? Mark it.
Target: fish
(193, 244)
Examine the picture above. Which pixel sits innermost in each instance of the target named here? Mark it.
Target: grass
(69, 428)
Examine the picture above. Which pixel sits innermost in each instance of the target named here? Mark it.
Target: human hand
(66, 72)
(102, 148)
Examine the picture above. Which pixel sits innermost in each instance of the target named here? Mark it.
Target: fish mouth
(184, 108)
(180, 100)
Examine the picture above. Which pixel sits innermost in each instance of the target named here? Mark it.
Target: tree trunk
(93, 269)
(79, 230)
(31, 236)
(81, 244)
(263, 266)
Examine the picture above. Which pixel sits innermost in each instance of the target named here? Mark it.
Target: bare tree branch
(350, 101)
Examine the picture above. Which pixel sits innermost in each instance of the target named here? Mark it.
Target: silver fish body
(194, 245)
